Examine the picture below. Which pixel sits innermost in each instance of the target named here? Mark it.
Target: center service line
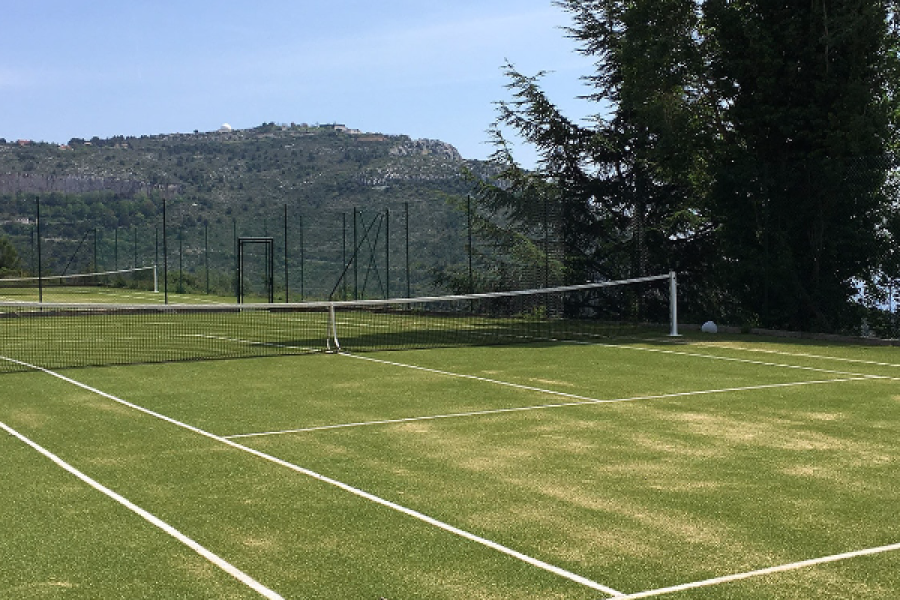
(515, 409)
(340, 485)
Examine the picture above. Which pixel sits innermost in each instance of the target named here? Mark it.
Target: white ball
(709, 327)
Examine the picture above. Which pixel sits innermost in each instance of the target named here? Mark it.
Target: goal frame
(269, 244)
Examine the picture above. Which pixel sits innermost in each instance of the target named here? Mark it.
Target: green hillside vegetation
(101, 202)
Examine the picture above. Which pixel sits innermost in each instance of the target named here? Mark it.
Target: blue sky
(84, 68)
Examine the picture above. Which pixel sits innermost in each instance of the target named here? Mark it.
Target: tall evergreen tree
(740, 142)
(626, 178)
(808, 91)
(10, 265)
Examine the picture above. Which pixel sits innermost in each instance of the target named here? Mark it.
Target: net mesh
(108, 286)
(74, 335)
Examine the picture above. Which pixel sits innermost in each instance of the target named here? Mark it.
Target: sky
(427, 69)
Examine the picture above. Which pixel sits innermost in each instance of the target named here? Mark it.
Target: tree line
(747, 145)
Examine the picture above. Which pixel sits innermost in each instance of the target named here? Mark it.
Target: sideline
(153, 520)
(340, 485)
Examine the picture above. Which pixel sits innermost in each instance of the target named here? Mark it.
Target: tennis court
(633, 466)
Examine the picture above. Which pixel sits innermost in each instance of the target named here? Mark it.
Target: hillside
(102, 203)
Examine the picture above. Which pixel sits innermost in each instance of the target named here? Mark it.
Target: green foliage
(799, 180)
(629, 186)
(743, 144)
(515, 239)
(101, 199)
(10, 265)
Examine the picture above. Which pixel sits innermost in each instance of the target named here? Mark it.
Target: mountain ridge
(316, 188)
(138, 164)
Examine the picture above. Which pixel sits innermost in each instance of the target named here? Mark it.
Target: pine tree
(10, 265)
(744, 144)
(809, 92)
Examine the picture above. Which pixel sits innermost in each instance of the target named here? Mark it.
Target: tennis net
(55, 335)
(106, 286)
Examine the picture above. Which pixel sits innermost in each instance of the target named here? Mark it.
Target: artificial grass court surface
(789, 455)
(109, 295)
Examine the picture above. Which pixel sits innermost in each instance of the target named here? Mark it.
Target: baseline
(740, 360)
(149, 517)
(759, 572)
(535, 562)
(823, 357)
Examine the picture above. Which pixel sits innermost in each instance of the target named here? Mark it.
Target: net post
(673, 305)
(332, 326)
(40, 272)
(155, 280)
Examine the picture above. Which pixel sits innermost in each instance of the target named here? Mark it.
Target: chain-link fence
(400, 249)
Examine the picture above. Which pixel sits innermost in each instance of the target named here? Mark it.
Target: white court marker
(153, 520)
(340, 485)
(739, 360)
(768, 571)
(719, 346)
(577, 399)
(844, 374)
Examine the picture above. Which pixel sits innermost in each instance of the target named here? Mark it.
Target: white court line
(767, 571)
(340, 485)
(578, 399)
(153, 520)
(477, 413)
(794, 354)
(739, 360)
(525, 387)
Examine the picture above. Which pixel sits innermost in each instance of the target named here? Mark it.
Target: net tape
(74, 277)
(60, 335)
